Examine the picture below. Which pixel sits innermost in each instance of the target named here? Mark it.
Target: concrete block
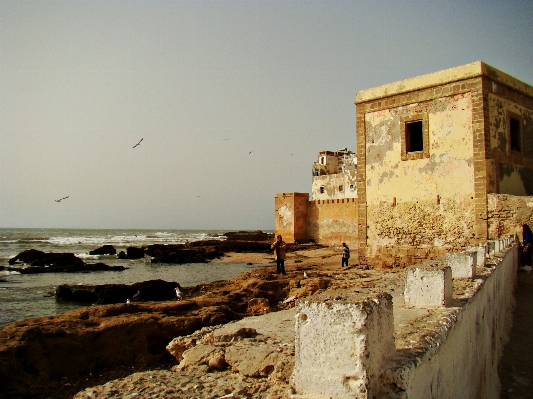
(463, 264)
(428, 286)
(342, 345)
(481, 253)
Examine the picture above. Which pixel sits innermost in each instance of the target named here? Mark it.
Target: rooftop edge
(463, 72)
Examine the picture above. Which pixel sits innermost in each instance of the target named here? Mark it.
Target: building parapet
(463, 72)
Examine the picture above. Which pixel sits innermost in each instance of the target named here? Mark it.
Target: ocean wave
(130, 239)
(87, 256)
(8, 272)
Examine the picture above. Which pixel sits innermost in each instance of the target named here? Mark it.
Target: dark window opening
(414, 137)
(514, 129)
(341, 188)
(322, 190)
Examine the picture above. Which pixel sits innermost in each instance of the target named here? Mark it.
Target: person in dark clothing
(526, 246)
(279, 251)
(345, 254)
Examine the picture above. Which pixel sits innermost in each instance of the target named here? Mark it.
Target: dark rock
(33, 257)
(202, 251)
(86, 268)
(152, 290)
(134, 253)
(121, 255)
(33, 261)
(104, 250)
(181, 254)
(257, 235)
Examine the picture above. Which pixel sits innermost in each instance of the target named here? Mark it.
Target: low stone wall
(343, 343)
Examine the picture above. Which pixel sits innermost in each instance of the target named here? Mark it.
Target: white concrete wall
(340, 346)
(342, 349)
(466, 361)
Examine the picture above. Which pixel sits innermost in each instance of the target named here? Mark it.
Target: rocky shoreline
(36, 355)
(252, 357)
(228, 339)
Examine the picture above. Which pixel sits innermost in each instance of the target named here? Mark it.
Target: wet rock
(152, 290)
(180, 254)
(33, 257)
(104, 250)
(202, 251)
(134, 253)
(33, 261)
(256, 235)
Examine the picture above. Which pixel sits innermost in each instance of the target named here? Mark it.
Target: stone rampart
(343, 343)
(330, 222)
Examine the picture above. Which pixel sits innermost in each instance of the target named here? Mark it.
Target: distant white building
(334, 175)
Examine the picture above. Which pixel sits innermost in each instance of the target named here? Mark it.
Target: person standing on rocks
(345, 254)
(279, 251)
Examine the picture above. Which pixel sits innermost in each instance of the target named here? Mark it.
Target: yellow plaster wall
(333, 221)
(402, 203)
(290, 212)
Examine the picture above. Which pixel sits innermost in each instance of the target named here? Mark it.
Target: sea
(24, 296)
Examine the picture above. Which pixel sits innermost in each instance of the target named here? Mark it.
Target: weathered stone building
(445, 160)
(334, 175)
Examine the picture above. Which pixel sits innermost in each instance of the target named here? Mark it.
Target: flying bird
(250, 152)
(138, 143)
(61, 199)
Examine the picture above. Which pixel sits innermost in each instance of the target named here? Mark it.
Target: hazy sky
(204, 83)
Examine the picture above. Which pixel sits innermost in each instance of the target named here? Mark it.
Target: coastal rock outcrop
(131, 253)
(256, 235)
(202, 251)
(180, 254)
(33, 261)
(153, 290)
(33, 257)
(104, 250)
(35, 354)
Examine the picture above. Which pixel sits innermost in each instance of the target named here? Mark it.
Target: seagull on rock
(179, 293)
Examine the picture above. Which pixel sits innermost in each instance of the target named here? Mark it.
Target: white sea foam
(87, 256)
(8, 272)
